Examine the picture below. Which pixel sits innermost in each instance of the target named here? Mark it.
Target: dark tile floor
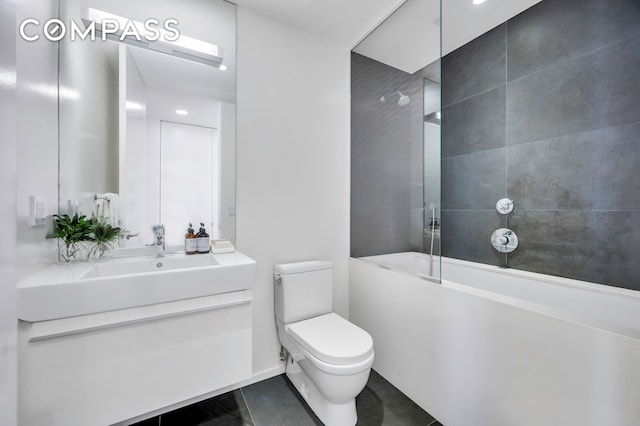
(275, 402)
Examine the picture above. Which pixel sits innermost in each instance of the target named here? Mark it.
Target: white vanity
(103, 342)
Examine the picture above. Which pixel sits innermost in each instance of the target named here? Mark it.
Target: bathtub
(499, 347)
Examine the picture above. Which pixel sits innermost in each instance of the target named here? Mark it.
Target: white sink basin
(140, 265)
(83, 288)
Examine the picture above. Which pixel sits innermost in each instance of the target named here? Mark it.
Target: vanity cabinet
(107, 367)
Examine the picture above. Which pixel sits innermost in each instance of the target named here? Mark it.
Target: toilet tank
(303, 290)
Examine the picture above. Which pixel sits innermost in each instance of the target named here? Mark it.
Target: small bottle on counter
(190, 241)
(203, 240)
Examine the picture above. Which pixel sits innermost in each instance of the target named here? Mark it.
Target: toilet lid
(332, 339)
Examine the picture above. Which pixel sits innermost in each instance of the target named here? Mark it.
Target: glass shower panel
(395, 138)
(432, 169)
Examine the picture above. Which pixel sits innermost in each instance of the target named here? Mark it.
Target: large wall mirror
(147, 134)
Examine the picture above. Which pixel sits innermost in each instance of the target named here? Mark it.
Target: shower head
(404, 99)
(433, 206)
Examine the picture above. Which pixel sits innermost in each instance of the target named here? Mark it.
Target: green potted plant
(72, 230)
(103, 235)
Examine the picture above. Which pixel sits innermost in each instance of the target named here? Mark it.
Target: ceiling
(344, 22)
(462, 21)
(408, 40)
(402, 33)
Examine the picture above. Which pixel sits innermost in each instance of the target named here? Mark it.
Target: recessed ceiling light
(223, 68)
(478, 1)
(181, 112)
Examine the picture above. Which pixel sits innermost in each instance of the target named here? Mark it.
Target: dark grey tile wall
(465, 235)
(486, 56)
(386, 159)
(545, 109)
(473, 181)
(559, 30)
(591, 91)
(476, 124)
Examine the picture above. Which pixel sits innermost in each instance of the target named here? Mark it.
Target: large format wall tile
(595, 246)
(379, 184)
(475, 124)
(466, 235)
(386, 154)
(572, 152)
(596, 170)
(617, 185)
(474, 68)
(555, 174)
(473, 181)
(380, 231)
(596, 90)
(557, 30)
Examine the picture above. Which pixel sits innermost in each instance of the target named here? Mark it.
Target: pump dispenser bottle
(190, 241)
(203, 240)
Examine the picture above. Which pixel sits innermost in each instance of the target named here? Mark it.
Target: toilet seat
(333, 340)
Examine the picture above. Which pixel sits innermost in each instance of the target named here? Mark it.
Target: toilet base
(330, 413)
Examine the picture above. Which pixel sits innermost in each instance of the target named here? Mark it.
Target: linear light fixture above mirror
(183, 47)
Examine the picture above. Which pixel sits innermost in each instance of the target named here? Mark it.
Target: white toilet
(329, 357)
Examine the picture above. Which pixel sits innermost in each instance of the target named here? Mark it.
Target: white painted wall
(8, 344)
(37, 133)
(227, 222)
(293, 109)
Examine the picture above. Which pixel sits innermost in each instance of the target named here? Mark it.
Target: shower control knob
(504, 240)
(504, 206)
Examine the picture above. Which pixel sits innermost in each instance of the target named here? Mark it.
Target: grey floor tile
(381, 404)
(225, 410)
(275, 402)
(154, 421)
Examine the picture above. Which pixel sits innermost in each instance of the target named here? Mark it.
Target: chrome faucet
(158, 239)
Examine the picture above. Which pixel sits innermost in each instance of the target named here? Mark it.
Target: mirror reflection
(148, 137)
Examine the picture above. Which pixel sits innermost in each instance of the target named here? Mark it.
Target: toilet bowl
(329, 358)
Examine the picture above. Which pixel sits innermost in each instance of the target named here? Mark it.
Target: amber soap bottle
(190, 241)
